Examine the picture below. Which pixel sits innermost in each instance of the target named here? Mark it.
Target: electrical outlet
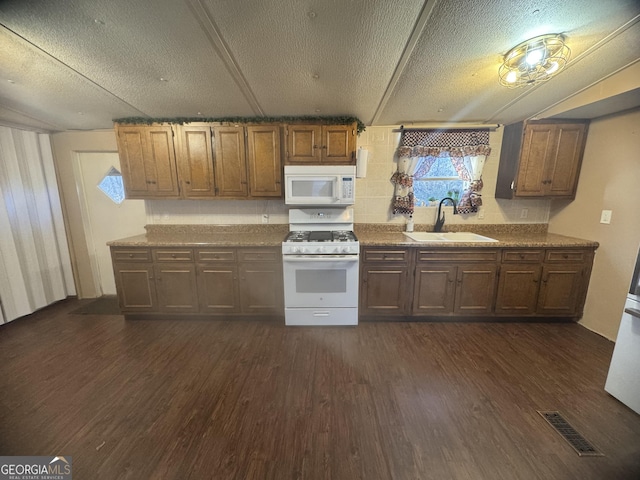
(480, 214)
(524, 213)
(605, 217)
(265, 218)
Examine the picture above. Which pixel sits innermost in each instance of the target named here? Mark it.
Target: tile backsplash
(373, 196)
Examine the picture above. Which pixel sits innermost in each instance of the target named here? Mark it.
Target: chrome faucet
(440, 219)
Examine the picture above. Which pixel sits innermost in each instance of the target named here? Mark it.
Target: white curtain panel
(35, 268)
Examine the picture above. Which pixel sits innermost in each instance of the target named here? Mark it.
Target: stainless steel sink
(464, 237)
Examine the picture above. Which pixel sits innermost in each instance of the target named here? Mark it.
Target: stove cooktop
(321, 236)
(318, 242)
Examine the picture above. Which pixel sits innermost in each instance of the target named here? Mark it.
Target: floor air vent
(577, 441)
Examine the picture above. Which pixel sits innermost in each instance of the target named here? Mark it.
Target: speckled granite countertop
(510, 235)
(207, 235)
(505, 240)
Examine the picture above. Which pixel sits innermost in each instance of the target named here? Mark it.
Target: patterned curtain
(467, 149)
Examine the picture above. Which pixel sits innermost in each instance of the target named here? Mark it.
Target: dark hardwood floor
(245, 399)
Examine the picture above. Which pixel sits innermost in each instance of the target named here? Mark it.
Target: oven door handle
(320, 258)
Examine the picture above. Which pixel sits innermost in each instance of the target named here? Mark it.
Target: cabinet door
(475, 289)
(537, 149)
(338, 144)
(131, 147)
(135, 286)
(195, 160)
(261, 288)
(304, 144)
(560, 289)
(218, 288)
(518, 289)
(383, 290)
(147, 160)
(263, 160)
(176, 287)
(562, 168)
(230, 163)
(434, 289)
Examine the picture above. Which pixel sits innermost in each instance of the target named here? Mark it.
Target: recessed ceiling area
(79, 64)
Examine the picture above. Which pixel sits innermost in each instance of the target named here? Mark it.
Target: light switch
(605, 217)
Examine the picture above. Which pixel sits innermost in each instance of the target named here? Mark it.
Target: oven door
(312, 281)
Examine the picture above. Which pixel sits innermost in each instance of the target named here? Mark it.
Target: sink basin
(464, 237)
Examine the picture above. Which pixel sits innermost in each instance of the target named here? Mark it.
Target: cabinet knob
(173, 255)
(131, 255)
(522, 255)
(187, 182)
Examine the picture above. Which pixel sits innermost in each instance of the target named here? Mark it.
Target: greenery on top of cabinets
(323, 120)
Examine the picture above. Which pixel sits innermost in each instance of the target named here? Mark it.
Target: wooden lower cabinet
(519, 281)
(448, 289)
(176, 287)
(475, 289)
(560, 289)
(218, 288)
(136, 287)
(384, 284)
(474, 282)
(434, 289)
(218, 281)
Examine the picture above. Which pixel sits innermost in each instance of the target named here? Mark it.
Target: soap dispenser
(410, 224)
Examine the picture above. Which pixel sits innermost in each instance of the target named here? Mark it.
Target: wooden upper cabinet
(303, 144)
(541, 159)
(230, 164)
(147, 161)
(339, 144)
(195, 161)
(201, 161)
(264, 161)
(321, 144)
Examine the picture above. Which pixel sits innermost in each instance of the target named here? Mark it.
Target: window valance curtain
(420, 148)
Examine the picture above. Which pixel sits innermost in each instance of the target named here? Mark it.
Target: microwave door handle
(338, 189)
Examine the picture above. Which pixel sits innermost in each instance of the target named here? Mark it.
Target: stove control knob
(297, 250)
(321, 250)
(345, 249)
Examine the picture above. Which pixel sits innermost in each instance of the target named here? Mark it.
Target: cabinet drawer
(564, 256)
(523, 256)
(448, 255)
(173, 255)
(386, 255)
(260, 255)
(215, 255)
(132, 255)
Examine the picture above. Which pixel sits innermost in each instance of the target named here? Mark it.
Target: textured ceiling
(79, 64)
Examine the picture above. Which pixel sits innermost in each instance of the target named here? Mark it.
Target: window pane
(111, 185)
(442, 168)
(438, 189)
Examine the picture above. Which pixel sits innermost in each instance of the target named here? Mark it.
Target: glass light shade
(534, 61)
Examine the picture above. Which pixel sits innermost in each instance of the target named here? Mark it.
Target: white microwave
(319, 184)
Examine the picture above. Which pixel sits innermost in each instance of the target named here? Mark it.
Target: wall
(374, 193)
(609, 180)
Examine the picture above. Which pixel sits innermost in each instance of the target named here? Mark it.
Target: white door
(105, 220)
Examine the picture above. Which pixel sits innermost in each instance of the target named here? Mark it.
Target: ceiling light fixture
(533, 61)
